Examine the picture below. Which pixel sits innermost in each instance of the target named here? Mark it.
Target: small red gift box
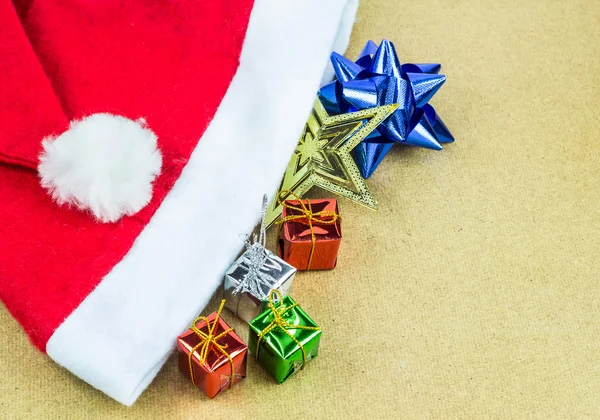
(212, 355)
(311, 234)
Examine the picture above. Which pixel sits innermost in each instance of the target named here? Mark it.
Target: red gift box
(212, 355)
(311, 234)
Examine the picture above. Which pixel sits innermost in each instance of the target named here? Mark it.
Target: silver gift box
(250, 279)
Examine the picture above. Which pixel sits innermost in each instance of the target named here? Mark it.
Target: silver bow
(257, 259)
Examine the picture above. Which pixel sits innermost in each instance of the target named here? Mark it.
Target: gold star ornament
(322, 157)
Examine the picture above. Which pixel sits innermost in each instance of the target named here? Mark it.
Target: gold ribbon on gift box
(281, 323)
(307, 217)
(207, 340)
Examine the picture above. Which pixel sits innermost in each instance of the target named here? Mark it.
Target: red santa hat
(136, 142)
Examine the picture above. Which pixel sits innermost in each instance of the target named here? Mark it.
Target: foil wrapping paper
(250, 279)
(295, 241)
(214, 375)
(279, 354)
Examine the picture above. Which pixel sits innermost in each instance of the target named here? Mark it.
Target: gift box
(250, 279)
(283, 337)
(253, 275)
(310, 233)
(212, 355)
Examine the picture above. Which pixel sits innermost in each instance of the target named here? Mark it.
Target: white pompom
(103, 163)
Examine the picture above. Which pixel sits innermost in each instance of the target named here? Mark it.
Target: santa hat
(136, 141)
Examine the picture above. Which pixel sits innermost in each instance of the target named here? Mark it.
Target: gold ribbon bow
(281, 323)
(307, 217)
(208, 340)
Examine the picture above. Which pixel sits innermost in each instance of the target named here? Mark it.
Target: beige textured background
(473, 292)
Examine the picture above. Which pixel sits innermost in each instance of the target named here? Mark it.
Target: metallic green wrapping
(279, 354)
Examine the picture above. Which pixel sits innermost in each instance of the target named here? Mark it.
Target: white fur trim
(121, 334)
(342, 38)
(103, 163)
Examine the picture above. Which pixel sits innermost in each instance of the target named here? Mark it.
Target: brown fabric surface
(473, 292)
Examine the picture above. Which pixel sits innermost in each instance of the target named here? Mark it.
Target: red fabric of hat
(136, 141)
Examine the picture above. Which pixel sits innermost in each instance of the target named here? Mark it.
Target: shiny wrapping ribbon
(209, 341)
(280, 322)
(256, 257)
(377, 78)
(307, 217)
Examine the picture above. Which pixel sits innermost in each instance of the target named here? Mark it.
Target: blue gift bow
(377, 78)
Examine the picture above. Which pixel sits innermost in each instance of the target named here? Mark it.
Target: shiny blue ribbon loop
(378, 78)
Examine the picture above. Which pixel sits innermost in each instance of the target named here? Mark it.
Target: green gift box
(283, 338)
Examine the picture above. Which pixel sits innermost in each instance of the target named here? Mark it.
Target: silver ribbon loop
(256, 259)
